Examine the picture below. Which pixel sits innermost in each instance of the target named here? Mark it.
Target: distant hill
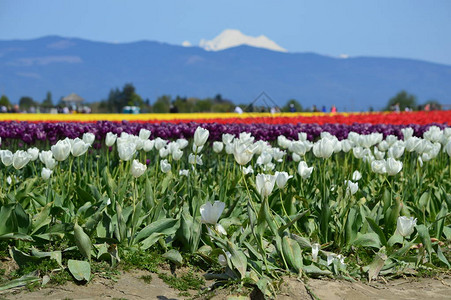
(91, 69)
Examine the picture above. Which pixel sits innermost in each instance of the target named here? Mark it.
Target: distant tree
(162, 104)
(297, 105)
(403, 99)
(204, 105)
(26, 102)
(184, 105)
(47, 102)
(4, 101)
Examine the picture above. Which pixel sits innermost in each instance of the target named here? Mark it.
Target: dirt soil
(130, 286)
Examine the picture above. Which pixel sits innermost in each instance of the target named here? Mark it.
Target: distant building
(73, 100)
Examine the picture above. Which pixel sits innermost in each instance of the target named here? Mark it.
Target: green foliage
(187, 281)
(47, 103)
(295, 103)
(403, 99)
(25, 103)
(4, 101)
(162, 104)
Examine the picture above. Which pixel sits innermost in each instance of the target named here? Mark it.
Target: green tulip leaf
(81, 270)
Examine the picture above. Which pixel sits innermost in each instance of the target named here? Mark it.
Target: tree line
(127, 96)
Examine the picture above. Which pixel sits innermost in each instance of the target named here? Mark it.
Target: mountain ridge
(92, 69)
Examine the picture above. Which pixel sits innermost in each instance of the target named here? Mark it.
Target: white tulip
(298, 147)
(281, 179)
(144, 134)
(283, 142)
(295, 157)
(448, 148)
(182, 143)
(246, 138)
(393, 166)
(89, 138)
(148, 145)
(164, 152)
(177, 154)
(227, 138)
(210, 213)
(110, 139)
(407, 133)
(346, 145)
(351, 187)
(197, 149)
(79, 147)
(243, 153)
(126, 150)
(137, 168)
(184, 173)
(383, 146)
(304, 170)
(34, 153)
(201, 136)
(324, 147)
(7, 157)
(20, 159)
(264, 158)
(378, 154)
(46, 158)
(248, 170)
(433, 134)
(302, 136)
(218, 146)
(378, 166)
(195, 159)
(46, 173)
(265, 184)
(61, 149)
(165, 166)
(391, 139)
(159, 143)
(315, 251)
(356, 175)
(405, 225)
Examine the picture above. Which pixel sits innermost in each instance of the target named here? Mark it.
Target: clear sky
(416, 29)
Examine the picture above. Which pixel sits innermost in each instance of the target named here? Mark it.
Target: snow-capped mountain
(232, 38)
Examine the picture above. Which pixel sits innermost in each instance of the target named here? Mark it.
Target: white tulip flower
(218, 146)
(89, 138)
(148, 145)
(201, 136)
(144, 134)
(393, 166)
(79, 147)
(324, 148)
(184, 173)
(34, 153)
(210, 214)
(137, 168)
(351, 187)
(20, 159)
(304, 170)
(7, 157)
(110, 139)
(265, 184)
(182, 143)
(282, 178)
(378, 166)
(356, 176)
(315, 251)
(126, 150)
(405, 225)
(46, 173)
(177, 154)
(61, 149)
(165, 166)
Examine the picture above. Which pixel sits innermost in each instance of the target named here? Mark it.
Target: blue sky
(391, 28)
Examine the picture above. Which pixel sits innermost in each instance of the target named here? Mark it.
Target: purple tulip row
(30, 133)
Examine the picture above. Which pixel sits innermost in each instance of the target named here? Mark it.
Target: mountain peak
(232, 38)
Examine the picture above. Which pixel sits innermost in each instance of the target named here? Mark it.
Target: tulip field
(249, 201)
